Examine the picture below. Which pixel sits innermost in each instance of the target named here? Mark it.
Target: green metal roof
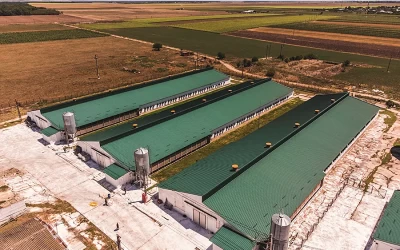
(170, 136)
(388, 229)
(105, 106)
(152, 117)
(49, 131)
(207, 173)
(115, 171)
(230, 240)
(285, 178)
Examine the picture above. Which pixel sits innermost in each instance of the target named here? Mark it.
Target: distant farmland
(221, 26)
(343, 29)
(41, 36)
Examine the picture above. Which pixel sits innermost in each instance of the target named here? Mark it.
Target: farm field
(116, 11)
(37, 19)
(41, 36)
(222, 26)
(44, 70)
(160, 21)
(374, 19)
(343, 29)
(344, 43)
(236, 47)
(30, 27)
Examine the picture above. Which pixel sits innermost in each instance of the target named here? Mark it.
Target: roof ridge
(273, 147)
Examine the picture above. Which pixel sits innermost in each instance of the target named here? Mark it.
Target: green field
(41, 36)
(148, 22)
(384, 19)
(235, 47)
(343, 29)
(222, 26)
(30, 27)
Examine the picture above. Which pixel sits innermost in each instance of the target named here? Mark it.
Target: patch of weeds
(162, 70)
(4, 188)
(146, 65)
(390, 119)
(386, 158)
(181, 65)
(397, 142)
(59, 206)
(375, 155)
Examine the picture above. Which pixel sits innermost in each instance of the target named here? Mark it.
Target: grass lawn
(228, 138)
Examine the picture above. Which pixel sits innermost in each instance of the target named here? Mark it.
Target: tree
(310, 56)
(389, 103)
(282, 57)
(287, 60)
(220, 55)
(157, 46)
(270, 72)
(254, 59)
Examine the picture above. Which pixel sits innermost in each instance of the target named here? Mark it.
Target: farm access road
(237, 71)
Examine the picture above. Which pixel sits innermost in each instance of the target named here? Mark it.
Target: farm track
(378, 25)
(335, 45)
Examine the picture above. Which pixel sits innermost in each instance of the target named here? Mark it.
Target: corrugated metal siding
(172, 135)
(207, 173)
(230, 240)
(284, 178)
(388, 229)
(106, 106)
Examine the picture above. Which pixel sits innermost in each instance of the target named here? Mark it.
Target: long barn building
(172, 139)
(280, 167)
(103, 110)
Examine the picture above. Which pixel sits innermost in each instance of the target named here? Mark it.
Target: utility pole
(282, 45)
(97, 66)
(390, 60)
(242, 69)
(17, 106)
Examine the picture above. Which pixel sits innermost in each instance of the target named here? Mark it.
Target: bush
(298, 58)
(310, 57)
(346, 63)
(238, 64)
(281, 57)
(390, 104)
(157, 46)
(220, 55)
(254, 59)
(246, 62)
(287, 60)
(270, 72)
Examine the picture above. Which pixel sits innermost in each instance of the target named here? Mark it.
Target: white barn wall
(54, 138)
(128, 177)
(97, 154)
(381, 245)
(185, 203)
(39, 119)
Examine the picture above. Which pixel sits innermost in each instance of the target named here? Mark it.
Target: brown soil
(378, 25)
(61, 69)
(37, 19)
(329, 36)
(109, 12)
(344, 46)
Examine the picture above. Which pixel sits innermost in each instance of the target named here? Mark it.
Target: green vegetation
(24, 9)
(31, 27)
(149, 22)
(157, 46)
(229, 138)
(222, 26)
(343, 29)
(385, 19)
(41, 36)
(397, 142)
(389, 120)
(220, 55)
(270, 72)
(386, 158)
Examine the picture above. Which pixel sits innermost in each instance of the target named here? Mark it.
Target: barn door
(199, 218)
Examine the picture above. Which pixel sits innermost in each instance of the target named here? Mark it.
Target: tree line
(24, 9)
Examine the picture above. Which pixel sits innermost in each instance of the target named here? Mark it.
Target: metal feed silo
(69, 123)
(142, 161)
(280, 225)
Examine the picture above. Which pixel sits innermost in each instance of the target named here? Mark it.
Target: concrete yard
(345, 211)
(62, 175)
